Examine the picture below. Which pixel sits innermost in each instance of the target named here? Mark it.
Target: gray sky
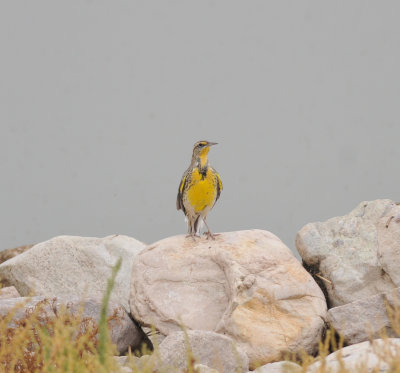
(101, 102)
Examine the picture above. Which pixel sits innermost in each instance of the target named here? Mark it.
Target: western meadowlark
(199, 189)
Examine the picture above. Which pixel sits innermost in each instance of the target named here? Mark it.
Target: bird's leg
(191, 231)
(209, 234)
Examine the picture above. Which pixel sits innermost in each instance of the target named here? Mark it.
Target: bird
(199, 189)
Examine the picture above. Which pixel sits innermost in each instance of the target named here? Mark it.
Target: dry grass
(69, 344)
(32, 342)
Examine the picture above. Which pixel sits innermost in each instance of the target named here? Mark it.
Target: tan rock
(68, 266)
(9, 292)
(247, 285)
(365, 357)
(355, 253)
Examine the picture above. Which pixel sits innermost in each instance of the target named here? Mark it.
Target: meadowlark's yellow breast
(202, 190)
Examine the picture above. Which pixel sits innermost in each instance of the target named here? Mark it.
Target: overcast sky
(101, 102)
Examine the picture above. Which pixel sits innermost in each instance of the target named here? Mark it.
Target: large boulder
(366, 357)
(67, 266)
(365, 318)
(247, 285)
(356, 254)
(123, 331)
(213, 350)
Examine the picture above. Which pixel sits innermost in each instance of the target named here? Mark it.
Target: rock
(362, 357)
(22, 308)
(145, 363)
(214, 350)
(247, 285)
(121, 360)
(200, 368)
(10, 253)
(123, 364)
(344, 250)
(280, 367)
(73, 266)
(389, 244)
(365, 318)
(123, 331)
(125, 370)
(9, 292)
(153, 335)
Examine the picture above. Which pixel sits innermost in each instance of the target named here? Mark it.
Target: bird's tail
(198, 225)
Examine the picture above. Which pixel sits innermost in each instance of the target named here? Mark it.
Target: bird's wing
(179, 199)
(219, 185)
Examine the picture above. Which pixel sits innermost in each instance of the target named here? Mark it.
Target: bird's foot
(210, 235)
(192, 235)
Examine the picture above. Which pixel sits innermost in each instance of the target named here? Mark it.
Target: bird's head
(200, 151)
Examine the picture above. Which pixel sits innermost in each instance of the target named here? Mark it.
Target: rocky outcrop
(67, 265)
(365, 318)
(246, 285)
(213, 350)
(363, 357)
(123, 331)
(356, 254)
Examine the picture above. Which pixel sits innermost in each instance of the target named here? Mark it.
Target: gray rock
(280, 367)
(68, 266)
(247, 285)
(356, 253)
(213, 350)
(123, 331)
(365, 318)
(9, 292)
(22, 308)
(365, 357)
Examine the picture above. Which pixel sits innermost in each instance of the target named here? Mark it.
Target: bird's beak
(212, 143)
